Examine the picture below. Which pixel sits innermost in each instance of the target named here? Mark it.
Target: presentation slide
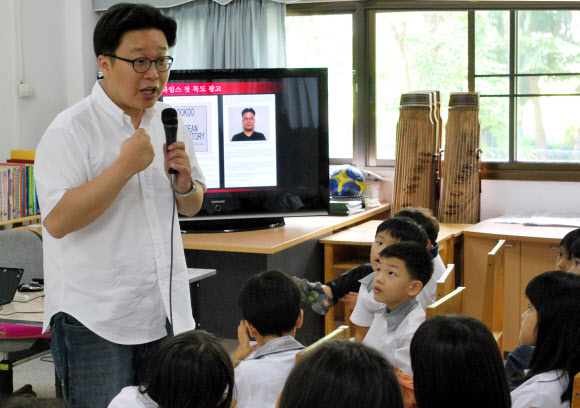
(200, 115)
(249, 140)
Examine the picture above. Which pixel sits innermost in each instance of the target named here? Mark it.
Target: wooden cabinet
(530, 250)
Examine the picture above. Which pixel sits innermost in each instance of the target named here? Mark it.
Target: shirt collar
(278, 345)
(116, 113)
(434, 250)
(395, 317)
(367, 281)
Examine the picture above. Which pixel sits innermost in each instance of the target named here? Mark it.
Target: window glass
(492, 42)
(416, 51)
(326, 41)
(494, 129)
(548, 126)
(548, 41)
(548, 129)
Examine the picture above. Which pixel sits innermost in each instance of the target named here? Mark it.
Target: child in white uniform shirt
(552, 325)
(190, 370)
(388, 232)
(270, 303)
(366, 306)
(346, 286)
(404, 268)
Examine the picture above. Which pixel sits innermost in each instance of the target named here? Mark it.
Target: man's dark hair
(403, 229)
(270, 301)
(124, 17)
(424, 218)
(248, 110)
(418, 259)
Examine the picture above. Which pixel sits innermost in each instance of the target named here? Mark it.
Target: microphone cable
(174, 209)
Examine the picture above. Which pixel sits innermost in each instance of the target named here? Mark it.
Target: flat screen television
(257, 171)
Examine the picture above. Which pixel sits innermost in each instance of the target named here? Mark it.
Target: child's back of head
(342, 374)
(424, 217)
(403, 229)
(270, 301)
(191, 370)
(456, 363)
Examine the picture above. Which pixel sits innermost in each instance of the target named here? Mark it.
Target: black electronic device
(254, 183)
(30, 287)
(9, 281)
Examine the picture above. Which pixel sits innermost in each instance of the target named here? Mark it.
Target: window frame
(364, 140)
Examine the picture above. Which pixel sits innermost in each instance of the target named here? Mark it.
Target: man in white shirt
(270, 303)
(107, 208)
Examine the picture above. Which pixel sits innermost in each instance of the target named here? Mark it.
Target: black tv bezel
(258, 220)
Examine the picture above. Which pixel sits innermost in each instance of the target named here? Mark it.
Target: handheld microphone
(169, 119)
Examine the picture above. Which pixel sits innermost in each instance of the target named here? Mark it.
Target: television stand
(230, 225)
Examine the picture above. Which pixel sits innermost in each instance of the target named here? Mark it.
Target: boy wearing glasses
(107, 208)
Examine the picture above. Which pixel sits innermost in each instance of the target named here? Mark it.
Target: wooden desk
(350, 248)
(530, 250)
(236, 256)
(293, 249)
(296, 231)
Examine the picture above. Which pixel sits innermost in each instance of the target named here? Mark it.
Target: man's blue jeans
(93, 370)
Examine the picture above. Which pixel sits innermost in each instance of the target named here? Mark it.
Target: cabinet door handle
(509, 245)
(555, 248)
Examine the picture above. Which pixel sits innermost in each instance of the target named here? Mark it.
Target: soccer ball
(347, 181)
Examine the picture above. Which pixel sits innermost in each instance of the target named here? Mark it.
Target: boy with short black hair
(391, 230)
(270, 304)
(404, 269)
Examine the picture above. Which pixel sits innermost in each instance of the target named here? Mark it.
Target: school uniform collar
(278, 345)
(395, 318)
(367, 281)
(117, 114)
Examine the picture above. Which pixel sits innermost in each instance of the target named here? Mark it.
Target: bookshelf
(33, 219)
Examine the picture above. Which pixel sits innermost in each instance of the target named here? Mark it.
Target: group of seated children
(448, 361)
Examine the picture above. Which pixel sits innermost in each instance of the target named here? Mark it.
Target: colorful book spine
(18, 193)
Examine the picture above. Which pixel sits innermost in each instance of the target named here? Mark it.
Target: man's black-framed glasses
(142, 64)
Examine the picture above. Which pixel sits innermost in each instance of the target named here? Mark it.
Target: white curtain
(242, 34)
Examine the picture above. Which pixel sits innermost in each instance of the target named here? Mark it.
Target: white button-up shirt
(429, 292)
(113, 275)
(261, 376)
(391, 333)
(541, 391)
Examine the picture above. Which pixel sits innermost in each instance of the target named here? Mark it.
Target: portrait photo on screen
(250, 141)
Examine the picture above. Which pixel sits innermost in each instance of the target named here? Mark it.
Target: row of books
(17, 190)
(346, 205)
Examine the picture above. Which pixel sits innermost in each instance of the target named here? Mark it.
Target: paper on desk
(543, 219)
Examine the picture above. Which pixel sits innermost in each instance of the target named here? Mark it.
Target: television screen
(261, 139)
